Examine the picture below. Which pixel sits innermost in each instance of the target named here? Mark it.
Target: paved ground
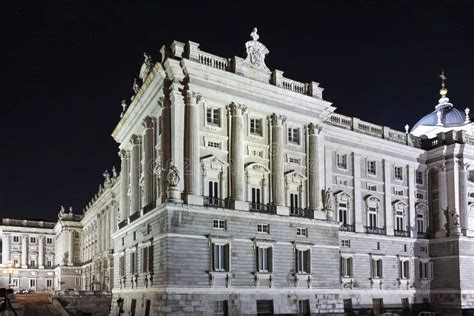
(35, 304)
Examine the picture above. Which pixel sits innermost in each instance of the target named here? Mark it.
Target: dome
(450, 117)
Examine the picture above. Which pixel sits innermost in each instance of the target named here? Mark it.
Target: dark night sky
(66, 66)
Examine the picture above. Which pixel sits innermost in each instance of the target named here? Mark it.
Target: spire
(443, 91)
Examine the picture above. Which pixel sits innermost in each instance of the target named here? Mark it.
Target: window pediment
(342, 197)
(400, 205)
(255, 167)
(372, 201)
(211, 162)
(294, 176)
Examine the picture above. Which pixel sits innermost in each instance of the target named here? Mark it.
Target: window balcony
(401, 233)
(301, 212)
(375, 230)
(214, 202)
(346, 228)
(421, 235)
(122, 224)
(150, 206)
(134, 216)
(260, 207)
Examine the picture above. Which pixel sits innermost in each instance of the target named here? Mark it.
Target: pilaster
(443, 201)
(412, 201)
(387, 175)
(124, 184)
(277, 148)
(24, 251)
(237, 156)
(41, 252)
(149, 160)
(135, 175)
(358, 209)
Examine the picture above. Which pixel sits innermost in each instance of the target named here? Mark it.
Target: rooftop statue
(256, 51)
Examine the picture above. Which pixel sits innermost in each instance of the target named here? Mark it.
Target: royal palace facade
(242, 192)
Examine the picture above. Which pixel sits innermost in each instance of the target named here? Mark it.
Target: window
(219, 224)
(221, 308)
(264, 307)
(15, 282)
(256, 126)
(16, 263)
(399, 192)
(302, 232)
(419, 177)
(399, 221)
(33, 263)
(122, 266)
(256, 152)
(123, 241)
(343, 216)
(134, 236)
(348, 305)
(49, 241)
(471, 176)
(213, 116)
(372, 217)
(263, 228)
(293, 201)
(76, 259)
(371, 167)
(214, 144)
(49, 263)
(16, 239)
(133, 263)
(419, 195)
(371, 187)
(213, 193)
(147, 259)
(404, 269)
(423, 249)
(303, 261)
(76, 234)
(377, 268)
(32, 283)
(426, 270)
(420, 223)
(345, 243)
(294, 160)
(294, 135)
(346, 267)
(256, 199)
(303, 307)
(264, 259)
(398, 173)
(341, 161)
(33, 240)
(220, 257)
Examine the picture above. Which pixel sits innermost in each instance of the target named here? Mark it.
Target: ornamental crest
(256, 51)
(173, 176)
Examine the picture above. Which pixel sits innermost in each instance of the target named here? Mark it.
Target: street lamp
(11, 270)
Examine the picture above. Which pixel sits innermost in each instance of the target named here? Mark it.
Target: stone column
(71, 248)
(192, 152)
(41, 252)
(277, 148)
(463, 199)
(124, 179)
(314, 185)
(358, 208)
(5, 250)
(387, 178)
(149, 160)
(237, 156)
(24, 251)
(135, 175)
(107, 229)
(443, 201)
(411, 201)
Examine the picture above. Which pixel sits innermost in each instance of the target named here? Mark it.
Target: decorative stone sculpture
(256, 51)
(327, 199)
(124, 107)
(106, 175)
(146, 66)
(114, 172)
(136, 87)
(173, 176)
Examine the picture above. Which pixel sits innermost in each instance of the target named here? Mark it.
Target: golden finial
(443, 91)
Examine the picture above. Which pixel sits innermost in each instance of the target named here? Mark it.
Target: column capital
(192, 98)
(135, 139)
(277, 120)
(149, 122)
(124, 154)
(237, 109)
(314, 129)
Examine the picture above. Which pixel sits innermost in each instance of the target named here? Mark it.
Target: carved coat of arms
(256, 51)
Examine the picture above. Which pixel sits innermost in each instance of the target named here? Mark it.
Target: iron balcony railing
(346, 228)
(401, 233)
(421, 235)
(123, 223)
(301, 212)
(214, 202)
(134, 216)
(375, 230)
(150, 206)
(260, 207)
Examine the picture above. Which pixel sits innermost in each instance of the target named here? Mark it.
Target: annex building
(242, 192)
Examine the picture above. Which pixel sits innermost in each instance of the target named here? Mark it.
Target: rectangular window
(49, 263)
(348, 305)
(399, 222)
(213, 193)
(419, 195)
(76, 234)
(303, 307)
(420, 223)
(16, 239)
(33, 240)
(133, 263)
(220, 257)
(147, 259)
(294, 160)
(302, 232)
(346, 267)
(345, 243)
(264, 259)
(371, 167)
(405, 269)
(256, 126)
(32, 283)
(265, 307)
(134, 236)
(221, 308)
(398, 173)
(371, 187)
(343, 216)
(426, 270)
(341, 161)
(423, 249)
(214, 144)
(33, 263)
(470, 177)
(219, 224)
(293, 201)
(377, 268)
(303, 261)
(213, 116)
(372, 217)
(49, 241)
(122, 266)
(419, 177)
(256, 204)
(263, 228)
(294, 135)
